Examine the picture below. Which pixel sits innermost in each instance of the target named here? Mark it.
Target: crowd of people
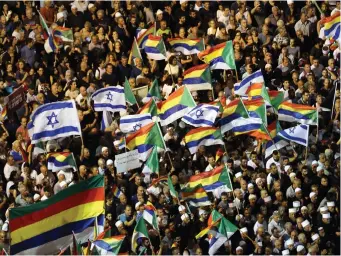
(285, 204)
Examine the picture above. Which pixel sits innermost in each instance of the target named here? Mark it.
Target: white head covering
(109, 162)
(286, 168)
(300, 248)
(314, 237)
(184, 216)
(90, 6)
(118, 223)
(297, 190)
(326, 215)
(243, 230)
(181, 208)
(159, 12)
(292, 175)
(289, 242)
(239, 248)
(331, 204)
(104, 148)
(117, 15)
(36, 197)
(314, 163)
(238, 174)
(43, 198)
(286, 252)
(60, 15)
(137, 205)
(323, 209)
(292, 210)
(250, 185)
(290, 2)
(305, 223)
(312, 194)
(296, 204)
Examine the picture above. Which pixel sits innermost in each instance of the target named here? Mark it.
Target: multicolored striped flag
(43, 24)
(332, 26)
(155, 48)
(65, 34)
(140, 231)
(203, 136)
(128, 93)
(225, 227)
(267, 133)
(134, 52)
(154, 91)
(220, 56)
(149, 107)
(116, 191)
(47, 227)
(176, 106)
(145, 139)
(196, 196)
(258, 91)
(61, 160)
(242, 87)
(172, 190)
(149, 215)
(292, 112)
(187, 46)
(152, 163)
(256, 109)
(141, 39)
(276, 98)
(110, 245)
(198, 78)
(233, 111)
(275, 144)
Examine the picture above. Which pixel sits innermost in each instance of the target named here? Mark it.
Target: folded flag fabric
(106, 120)
(233, 111)
(149, 215)
(140, 231)
(111, 99)
(116, 191)
(298, 134)
(133, 123)
(219, 154)
(198, 78)
(246, 125)
(256, 109)
(292, 112)
(61, 160)
(65, 34)
(258, 91)
(43, 24)
(50, 44)
(225, 227)
(128, 93)
(187, 46)
(149, 107)
(172, 190)
(215, 240)
(196, 196)
(110, 245)
(220, 56)
(47, 227)
(141, 39)
(276, 98)
(267, 133)
(144, 139)
(176, 106)
(54, 120)
(208, 229)
(76, 246)
(155, 48)
(135, 52)
(218, 103)
(242, 87)
(203, 136)
(202, 115)
(154, 91)
(212, 179)
(275, 144)
(332, 26)
(152, 163)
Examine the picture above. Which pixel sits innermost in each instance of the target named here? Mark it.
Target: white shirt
(209, 168)
(256, 226)
(9, 169)
(272, 160)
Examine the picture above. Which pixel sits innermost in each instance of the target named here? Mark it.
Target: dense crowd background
(284, 39)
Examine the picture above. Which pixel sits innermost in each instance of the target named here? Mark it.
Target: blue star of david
(137, 127)
(292, 130)
(199, 113)
(50, 118)
(109, 96)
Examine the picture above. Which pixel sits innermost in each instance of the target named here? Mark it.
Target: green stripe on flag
(228, 55)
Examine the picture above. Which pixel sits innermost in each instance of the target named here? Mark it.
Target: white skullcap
(73, 6)
(286, 252)
(117, 15)
(296, 204)
(290, 2)
(183, 1)
(305, 223)
(323, 209)
(60, 15)
(267, 199)
(304, 207)
(238, 174)
(292, 175)
(63, 183)
(300, 248)
(314, 163)
(90, 6)
(110, 162)
(289, 242)
(116, 142)
(243, 230)
(292, 210)
(297, 190)
(181, 208)
(326, 215)
(137, 205)
(159, 12)
(43, 198)
(61, 172)
(268, 65)
(104, 148)
(258, 180)
(319, 168)
(184, 216)
(331, 204)
(239, 217)
(286, 168)
(118, 223)
(239, 248)
(250, 185)
(312, 194)
(201, 211)
(314, 237)
(252, 196)
(36, 197)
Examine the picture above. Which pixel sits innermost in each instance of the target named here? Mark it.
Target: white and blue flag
(109, 99)
(241, 88)
(298, 134)
(133, 123)
(106, 120)
(54, 120)
(275, 144)
(202, 115)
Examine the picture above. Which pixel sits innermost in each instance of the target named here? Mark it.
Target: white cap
(304, 207)
(292, 210)
(300, 248)
(181, 208)
(323, 209)
(90, 6)
(243, 230)
(60, 15)
(159, 12)
(286, 252)
(73, 6)
(286, 168)
(118, 223)
(239, 247)
(137, 205)
(326, 216)
(297, 190)
(292, 175)
(305, 223)
(201, 211)
(290, 2)
(117, 15)
(258, 180)
(110, 162)
(319, 168)
(116, 142)
(252, 196)
(267, 199)
(268, 65)
(104, 148)
(36, 197)
(314, 237)
(331, 204)
(250, 185)
(183, 1)
(238, 174)
(184, 216)
(314, 163)
(289, 242)
(312, 194)
(43, 198)
(63, 183)
(61, 172)
(296, 204)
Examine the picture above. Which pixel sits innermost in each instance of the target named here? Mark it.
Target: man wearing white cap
(306, 226)
(300, 250)
(291, 190)
(58, 186)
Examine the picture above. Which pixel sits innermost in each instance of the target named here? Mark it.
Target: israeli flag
(298, 134)
(241, 88)
(54, 120)
(275, 144)
(202, 115)
(109, 99)
(106, 120)
(133, 123)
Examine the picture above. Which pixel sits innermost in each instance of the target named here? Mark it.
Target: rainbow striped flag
(141, 40)
(212, 179)
(110, 245)
(145, 139)
(140, 231)
(61, 160)
(203, 136)
(303, 114)
(233, 111)
(4, 113)
(196, 196)
(187, 46)
(150, 107)
(276, 98)
(264, 132)
(220, 56)
(332, 26)
(65, 34)
(116, 191)
(258, 91)
(149, 214)
(176, 106)
(198, 78)
(256, 109)
(155, 48)
(47, 227)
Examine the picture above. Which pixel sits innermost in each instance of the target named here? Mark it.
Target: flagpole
(331, 117)
(164, 144)
(317, 127)
(228, 175)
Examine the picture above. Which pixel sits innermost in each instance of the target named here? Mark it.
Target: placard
(127, 161)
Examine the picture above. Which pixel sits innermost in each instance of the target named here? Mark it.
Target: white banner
(127, 161)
